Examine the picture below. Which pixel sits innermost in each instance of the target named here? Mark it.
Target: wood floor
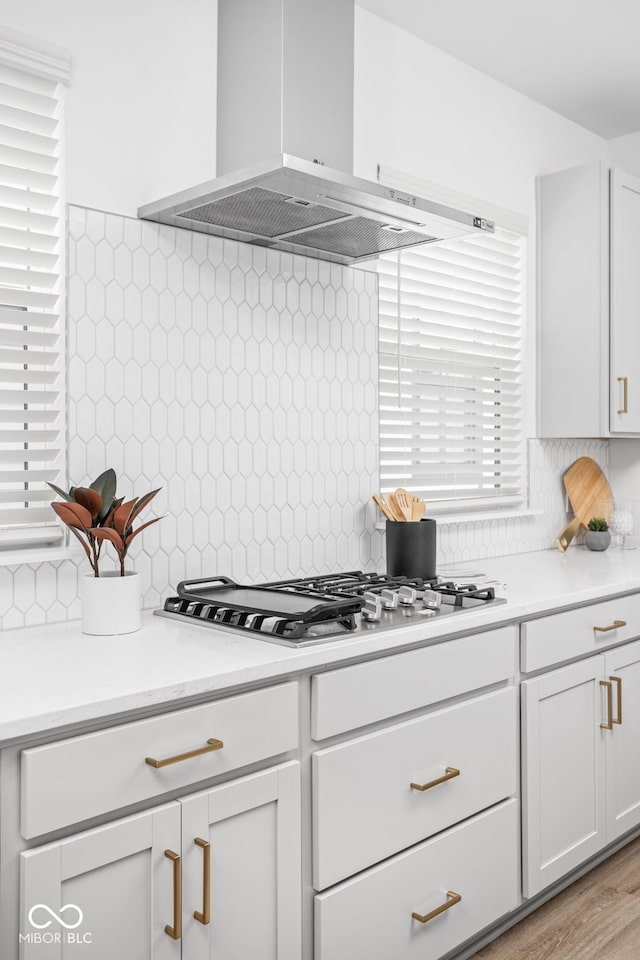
(596, 917)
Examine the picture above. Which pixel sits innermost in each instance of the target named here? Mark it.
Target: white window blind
(32, 345)
(451, 372)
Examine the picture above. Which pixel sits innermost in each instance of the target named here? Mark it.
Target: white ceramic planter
(110, 603)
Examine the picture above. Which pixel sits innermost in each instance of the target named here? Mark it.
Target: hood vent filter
(358, 237)
(262, 212)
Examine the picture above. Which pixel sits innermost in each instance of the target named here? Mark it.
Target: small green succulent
(598, 523)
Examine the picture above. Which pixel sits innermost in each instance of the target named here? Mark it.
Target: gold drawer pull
(451, 902)
(625, 394)
(618, 683)
(613, 626)
(451, 772)
(205, 916)
(212, 744)
(608, 725)
(175, 932)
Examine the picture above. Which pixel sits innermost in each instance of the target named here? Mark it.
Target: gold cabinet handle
(451, 772)
(612, 626)
(609, 724)
(205, 916)
(625, 394)
(175, 931)
(453, 898)
(212, 744)
(618, 683)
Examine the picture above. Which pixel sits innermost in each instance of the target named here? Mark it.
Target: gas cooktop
(309, 610)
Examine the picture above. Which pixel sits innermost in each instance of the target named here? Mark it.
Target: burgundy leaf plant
(95, 515)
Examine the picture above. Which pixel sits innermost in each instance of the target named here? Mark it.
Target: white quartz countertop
(53, 676)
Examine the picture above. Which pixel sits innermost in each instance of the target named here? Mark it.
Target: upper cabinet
(624, 303)
(588, 303)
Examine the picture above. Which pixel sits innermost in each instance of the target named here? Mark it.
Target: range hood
(285, 92)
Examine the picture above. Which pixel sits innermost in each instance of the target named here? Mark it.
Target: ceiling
(580, 58)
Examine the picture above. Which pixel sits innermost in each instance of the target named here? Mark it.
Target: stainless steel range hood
(285, 91)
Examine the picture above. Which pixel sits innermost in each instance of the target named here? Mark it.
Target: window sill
(34, 555)
(451, 519)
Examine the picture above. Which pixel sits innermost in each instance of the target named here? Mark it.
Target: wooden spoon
(393, 505)
(382, 507)
(418, 507)
(390, 502)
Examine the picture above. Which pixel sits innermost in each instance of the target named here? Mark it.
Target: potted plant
(95, 516)
(597, 536)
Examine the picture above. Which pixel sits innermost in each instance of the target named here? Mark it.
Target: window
(32, 345)
(451, 372)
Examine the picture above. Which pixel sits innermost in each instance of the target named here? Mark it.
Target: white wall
(421, 111)
(624, 152)
(140, 111)
(141, 107)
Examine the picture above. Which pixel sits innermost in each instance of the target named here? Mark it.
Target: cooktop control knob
(432, 600)
(407, 596)
(372, 608)
(389, 599)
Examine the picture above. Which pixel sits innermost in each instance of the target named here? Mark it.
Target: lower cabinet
(427, 901)
(215, 874)
(380, 793)
(109, 890)
(581, 778)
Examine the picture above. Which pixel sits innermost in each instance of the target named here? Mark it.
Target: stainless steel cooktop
(311, 610)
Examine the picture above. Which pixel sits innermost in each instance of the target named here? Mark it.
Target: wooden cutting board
(589, 495)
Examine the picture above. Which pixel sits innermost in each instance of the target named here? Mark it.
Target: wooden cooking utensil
(416, 504)
(382, 507)
(589, 494)
(402, 499)
(417, 508)
(392, 505)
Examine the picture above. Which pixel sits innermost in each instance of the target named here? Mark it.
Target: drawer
(352, 697)
(71, 780)
(573, 633)
(371, 916)
(364, 807)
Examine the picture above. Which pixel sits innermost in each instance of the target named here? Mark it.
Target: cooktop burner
(308, 610)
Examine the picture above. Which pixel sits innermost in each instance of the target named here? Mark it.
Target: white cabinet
(581, 783)
(387, 790)
(106, 892)
(564, 775)
(394, 911)
(253, 895)
(623, 741)
(213, 875)
(625, 303)
(72, 780)
(588, 248)
(424, 803)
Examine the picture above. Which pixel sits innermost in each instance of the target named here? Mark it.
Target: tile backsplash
(244, 383)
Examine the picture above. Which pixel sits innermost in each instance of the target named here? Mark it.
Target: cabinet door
(625, 303)
(573, 302)
(107, 892)
(250, 906)
(564, 819)
(623, 741)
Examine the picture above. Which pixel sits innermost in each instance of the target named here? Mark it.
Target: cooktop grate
(308, 609)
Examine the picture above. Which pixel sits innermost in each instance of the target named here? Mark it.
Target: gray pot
(597, 539)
